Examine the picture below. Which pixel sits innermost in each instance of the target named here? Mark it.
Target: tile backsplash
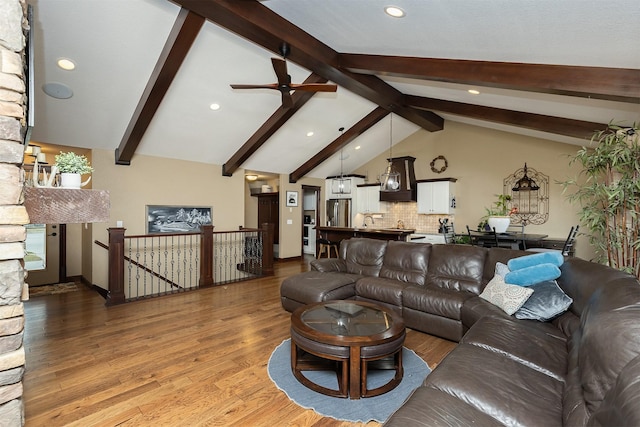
(408, 213)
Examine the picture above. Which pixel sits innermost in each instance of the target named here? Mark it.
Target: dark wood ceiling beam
(352, 133)
(184, 32)
(257, 23)
(557, 125)
(268, 128)
(616, 84)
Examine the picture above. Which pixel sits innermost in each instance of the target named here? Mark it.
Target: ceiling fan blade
(267, 86)
(280, 67)
(315, 87)
(287, 101)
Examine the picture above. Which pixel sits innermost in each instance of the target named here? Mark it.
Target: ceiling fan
(284, 84)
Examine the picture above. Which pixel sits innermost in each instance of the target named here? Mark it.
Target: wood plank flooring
(194, 359)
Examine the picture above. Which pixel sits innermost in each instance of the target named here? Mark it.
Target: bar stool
(326, 246)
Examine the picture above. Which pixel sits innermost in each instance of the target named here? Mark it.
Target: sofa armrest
(329, 265)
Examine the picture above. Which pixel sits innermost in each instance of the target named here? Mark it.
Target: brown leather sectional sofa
(581, 368)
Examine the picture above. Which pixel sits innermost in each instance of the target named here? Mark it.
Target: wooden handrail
(117, 257)
(148, 270)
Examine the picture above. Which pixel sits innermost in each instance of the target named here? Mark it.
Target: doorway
(54, 270)
(310, 217)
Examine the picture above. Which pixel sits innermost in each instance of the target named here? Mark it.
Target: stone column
(13, 215)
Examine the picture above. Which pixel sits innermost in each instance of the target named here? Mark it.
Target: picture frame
(163, 219)
(292, 198)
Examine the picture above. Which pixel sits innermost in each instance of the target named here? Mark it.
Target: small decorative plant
(501, 206)
(72, 163)
(498, 211)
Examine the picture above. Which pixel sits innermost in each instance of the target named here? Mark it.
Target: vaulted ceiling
(147, 72)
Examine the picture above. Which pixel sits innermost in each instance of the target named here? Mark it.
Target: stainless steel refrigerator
(339, 212)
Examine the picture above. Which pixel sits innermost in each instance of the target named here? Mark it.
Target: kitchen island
(337, 234)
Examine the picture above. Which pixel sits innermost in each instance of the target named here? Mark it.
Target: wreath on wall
(444, 166)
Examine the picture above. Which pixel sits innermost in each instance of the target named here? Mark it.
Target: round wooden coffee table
(348, 338)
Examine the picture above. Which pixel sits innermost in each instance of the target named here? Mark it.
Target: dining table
(511, 239)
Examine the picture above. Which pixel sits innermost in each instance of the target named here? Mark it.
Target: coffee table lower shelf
(349, 357)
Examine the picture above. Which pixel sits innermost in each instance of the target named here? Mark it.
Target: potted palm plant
(609, 195)
(71, 166)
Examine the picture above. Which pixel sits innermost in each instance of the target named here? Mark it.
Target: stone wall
(13, 215)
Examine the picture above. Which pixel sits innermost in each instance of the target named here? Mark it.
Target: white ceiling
(116, 43)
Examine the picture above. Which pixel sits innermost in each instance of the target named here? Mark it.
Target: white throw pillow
(508, 297)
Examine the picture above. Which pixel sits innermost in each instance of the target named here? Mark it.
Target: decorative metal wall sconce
(529, 190)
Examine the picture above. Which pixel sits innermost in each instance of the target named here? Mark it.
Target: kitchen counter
(337, 234)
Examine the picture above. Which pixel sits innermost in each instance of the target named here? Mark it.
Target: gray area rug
(377, 408)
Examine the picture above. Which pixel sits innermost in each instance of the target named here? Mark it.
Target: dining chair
(568, 244)
(449, 234)
(518, 231)
(473, 240)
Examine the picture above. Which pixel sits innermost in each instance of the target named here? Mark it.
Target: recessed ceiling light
(474, 92)
(214, 106)
(394, 11)
(357, 147)
(66, 64)
(310, 133)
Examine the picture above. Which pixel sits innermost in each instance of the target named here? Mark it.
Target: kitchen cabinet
(434, 239)
(436, 196)
(368, 199)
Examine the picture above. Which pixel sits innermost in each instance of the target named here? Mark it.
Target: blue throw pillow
(554, 258)
(546, 302)
(531, 275)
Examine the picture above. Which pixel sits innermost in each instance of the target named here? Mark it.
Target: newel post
(267, 248)
(206, 256)
(116, 266)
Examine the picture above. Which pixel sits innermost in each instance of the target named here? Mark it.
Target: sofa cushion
(435, 300)
(406, 262)
(580, 279)
(363, 256)
(381, 289)
(546, 302)
(508, 297)
(610, 337)
(431, 407)
(501, 387)
(314, 286)
(526, 342)
(456, 267)
(620, 406)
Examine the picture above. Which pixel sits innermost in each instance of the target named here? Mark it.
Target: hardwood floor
(192, 359)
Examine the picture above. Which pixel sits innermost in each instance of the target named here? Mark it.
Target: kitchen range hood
(408, 186)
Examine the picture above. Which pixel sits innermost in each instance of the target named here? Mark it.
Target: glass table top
(347, 319)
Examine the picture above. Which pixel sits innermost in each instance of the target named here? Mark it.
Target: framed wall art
(176, 219)
(292, 198)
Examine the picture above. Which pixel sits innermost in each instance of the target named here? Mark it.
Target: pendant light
(341, 185)
(390, 179)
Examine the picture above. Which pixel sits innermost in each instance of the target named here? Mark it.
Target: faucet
(364, 221)
(400, 224)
